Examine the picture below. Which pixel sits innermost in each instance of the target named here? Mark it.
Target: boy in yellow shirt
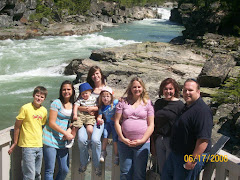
(28, 134)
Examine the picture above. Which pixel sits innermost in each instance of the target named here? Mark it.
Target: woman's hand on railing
(12, 148)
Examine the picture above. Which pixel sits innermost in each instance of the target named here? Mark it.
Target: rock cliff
(155, 61)
(152, 61)
(15, 22)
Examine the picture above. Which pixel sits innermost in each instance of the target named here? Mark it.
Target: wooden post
(16, 158)
(5, 139)
(75, 162)
(4, 162)
(115, 169)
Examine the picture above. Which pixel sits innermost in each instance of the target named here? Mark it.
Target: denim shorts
(108, 129)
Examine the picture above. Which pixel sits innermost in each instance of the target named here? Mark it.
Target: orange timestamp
(206, 158)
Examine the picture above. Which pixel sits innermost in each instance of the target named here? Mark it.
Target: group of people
(168, 128)
(182, 133)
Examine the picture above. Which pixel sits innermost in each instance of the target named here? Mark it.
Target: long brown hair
(60, 92)
(144, 95)
(91, 71)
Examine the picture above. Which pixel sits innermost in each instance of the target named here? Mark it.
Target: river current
(25, 64)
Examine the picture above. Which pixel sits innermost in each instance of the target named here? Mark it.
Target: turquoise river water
(25, 64)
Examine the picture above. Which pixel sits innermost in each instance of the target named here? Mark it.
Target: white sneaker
(103, 156)
(69, 143)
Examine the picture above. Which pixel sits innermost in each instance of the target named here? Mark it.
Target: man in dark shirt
(191, 136)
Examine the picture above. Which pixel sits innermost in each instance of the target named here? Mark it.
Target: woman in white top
(55, 129)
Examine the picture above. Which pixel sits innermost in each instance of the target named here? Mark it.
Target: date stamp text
(206, 158)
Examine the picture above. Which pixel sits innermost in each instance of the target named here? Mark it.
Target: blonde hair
(144, 96)
(100, 103)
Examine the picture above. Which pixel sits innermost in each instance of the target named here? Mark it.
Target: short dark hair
(166, 82)
(193, 80)
(41, 90)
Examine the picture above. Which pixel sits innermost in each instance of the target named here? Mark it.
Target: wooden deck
(10, 166)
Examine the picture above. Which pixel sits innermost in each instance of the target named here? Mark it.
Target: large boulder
(215, 70)
(75, 66)
(153, 51)
(199, 20)
(117, 19)
(175, 16)
(16, 10)
(228, 116)
(11, 2)
(8, 12)
(19, 10)
(120, 12)
(44, 21)
(138, 13)
(2, 4)
(152, 61)
(5, 21)
(234, 72)
(223, 112)
(28, 13)
(108, 9)
(94, 8)
(31, 4)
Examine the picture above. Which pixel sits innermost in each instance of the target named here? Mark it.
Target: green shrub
(73, 6)
(41, 11)
(130, 3)
(230, 91)
(60, 6)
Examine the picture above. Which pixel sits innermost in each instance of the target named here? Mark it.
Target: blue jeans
(96, 145)
(108, 129)
(133, 161)
(174, 170)
(32, 162)
(50, 154)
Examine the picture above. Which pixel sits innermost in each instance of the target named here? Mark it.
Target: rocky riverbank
(15, 20)
(209, 57)
(155, 61)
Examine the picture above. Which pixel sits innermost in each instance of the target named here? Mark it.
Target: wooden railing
(5, 140)
(10, 166)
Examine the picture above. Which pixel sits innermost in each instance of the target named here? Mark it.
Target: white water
(165, 13)
(25, 64)
(30, 58)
